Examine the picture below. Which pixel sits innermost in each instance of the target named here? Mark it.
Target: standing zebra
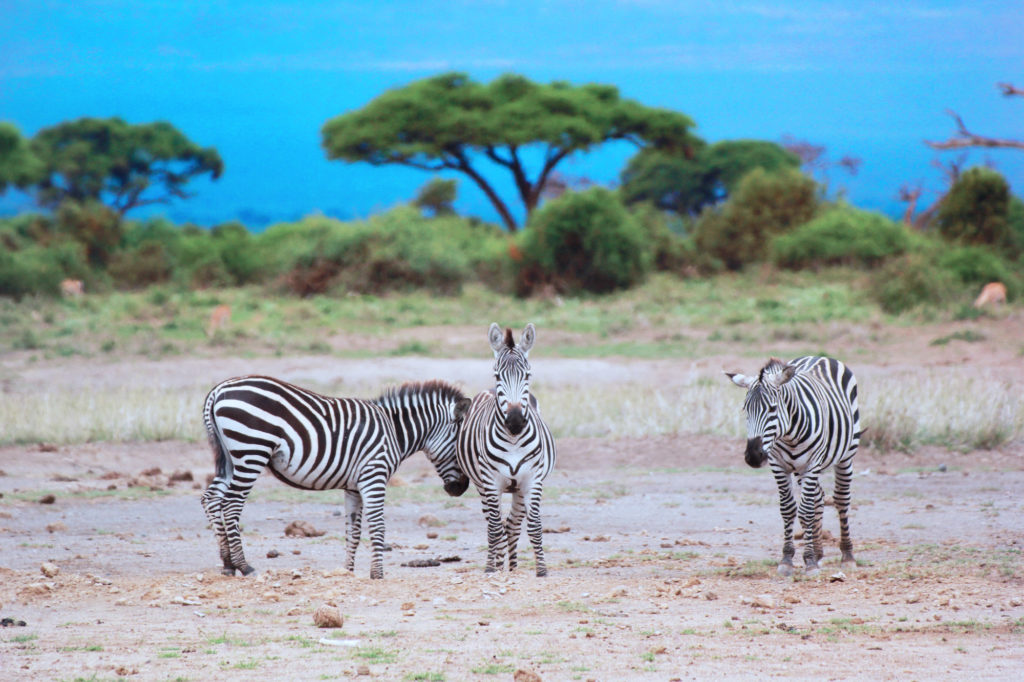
(802, 417)
(505, 446)
(315, 442)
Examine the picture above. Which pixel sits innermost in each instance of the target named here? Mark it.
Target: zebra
(802, 418)
(316, 442)
(505, 446)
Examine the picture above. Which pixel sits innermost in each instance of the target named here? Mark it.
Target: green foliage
(583, 241)
(762, 206)
(976, 208)
(910, 281)
(93, 225)
(843, 235)
(398, 250)
(39, 270)
(684, 184)
(441, 122)
(18, 165)
(976, 265)
(437, 196)
(671, 251)
(120, 164)
(1015, 223)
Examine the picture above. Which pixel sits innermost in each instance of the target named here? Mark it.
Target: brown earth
(664, 566)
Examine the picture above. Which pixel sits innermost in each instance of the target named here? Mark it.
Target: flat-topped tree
(19, 167)
(120, 164)
(451, 122)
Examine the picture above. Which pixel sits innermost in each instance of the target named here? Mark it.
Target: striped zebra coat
(316, 442)
(505, 446)
(802, 418)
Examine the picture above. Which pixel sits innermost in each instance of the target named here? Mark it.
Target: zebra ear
(496, 337)
(527, 339)
(786, 375)
(741, 380)
(461, 409)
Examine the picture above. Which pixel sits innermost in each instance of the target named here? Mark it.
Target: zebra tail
(220, 455)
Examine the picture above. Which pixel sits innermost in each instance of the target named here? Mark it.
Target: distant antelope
(994, 293)
(220, 316)
(72, 288)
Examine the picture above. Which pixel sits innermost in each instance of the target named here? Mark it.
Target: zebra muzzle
(515, 420)
(457, 487)
(755, 455)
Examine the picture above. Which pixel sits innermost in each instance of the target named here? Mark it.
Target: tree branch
(1009, 90)
(464, 167)
(965, 138)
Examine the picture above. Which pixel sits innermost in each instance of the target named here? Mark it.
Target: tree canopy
(450, 121)
(120, 164)
(19, 167)
(685, 184)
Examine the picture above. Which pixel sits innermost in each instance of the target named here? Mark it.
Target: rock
(47, 499)
(421, 546)
(154, 471)
(913, 598)
(619, 591)
(35, 590)
(270, 595)
(408, 606)
(560, 529)
(432, 535)
(110, 475)
(302, 529)
(597, 538)
(525, 676)
(273, 554)
(181, 475)
(56, 526)
(363, 670)
(764, 601)
(431, 521)
(294, 611)
(328, 617)
(839, 577)
(49, 570)
(1015, 601)
(658, 650)
(791, 599)
(449, 559)
(710, 596)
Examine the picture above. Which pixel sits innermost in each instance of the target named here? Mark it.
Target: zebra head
(512, 375)
(766, 418)
(440, 448)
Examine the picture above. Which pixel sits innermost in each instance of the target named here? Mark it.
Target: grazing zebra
(505, 446)
(802, 417)
(315, 442)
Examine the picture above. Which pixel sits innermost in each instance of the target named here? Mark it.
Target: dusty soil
(664, 566)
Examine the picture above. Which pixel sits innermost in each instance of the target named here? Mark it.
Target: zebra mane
(509, 341)
(774, 365)
(437, 387)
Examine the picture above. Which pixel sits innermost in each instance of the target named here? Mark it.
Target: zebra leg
(819, 513)
(841, 495)
(234, 500)
(372, 493)
(212, 501)
(496, 538)
(787, 507)
(534, 529)
(513, 527)
(353, 526)
(809, 497)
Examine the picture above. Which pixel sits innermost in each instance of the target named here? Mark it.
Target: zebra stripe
(505, 446)
(316, 442)
(803, 417)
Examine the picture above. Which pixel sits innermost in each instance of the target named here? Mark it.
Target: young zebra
(802, 417)
(505, 446)
(315, 442)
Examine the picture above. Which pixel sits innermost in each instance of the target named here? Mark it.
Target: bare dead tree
(909, 195)
(964, 138)
(815, 160)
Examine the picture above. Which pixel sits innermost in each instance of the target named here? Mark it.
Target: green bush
(141, 266)
(910, 281)
(762, 206)
(1015, 223)
(671, 250)
(976, 208)
(976, 265)
(93, 225)
(842, 236)
(583, 241)
(39, 270)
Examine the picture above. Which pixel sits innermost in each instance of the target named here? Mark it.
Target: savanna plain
(661, 543)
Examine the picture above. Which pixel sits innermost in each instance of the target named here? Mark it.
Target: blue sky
(257, 80)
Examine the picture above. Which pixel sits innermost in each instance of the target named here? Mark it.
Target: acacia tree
(122, 165)
(964, 138)
(451, 122)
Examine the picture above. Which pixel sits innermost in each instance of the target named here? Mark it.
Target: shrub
(39, 270)
(910, 281)
(437, 196)
(670, 250)
(140, 266)
(842, 236)
(762, 206)
(92, 224)
(976, 208)
(1015, 223)
(976, 265)
(583, 241)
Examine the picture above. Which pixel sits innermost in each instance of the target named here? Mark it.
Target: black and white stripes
(317, 442)
(802, 418)
(505, 446)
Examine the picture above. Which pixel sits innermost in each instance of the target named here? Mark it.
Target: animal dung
(327, 616)
(302, 529)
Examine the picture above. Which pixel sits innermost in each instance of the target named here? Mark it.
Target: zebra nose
(755, 455)
(457, 487)
(515, 420)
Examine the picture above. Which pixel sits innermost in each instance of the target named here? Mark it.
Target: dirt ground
(662, 558)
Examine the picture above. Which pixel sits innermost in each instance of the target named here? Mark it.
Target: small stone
(525, 676)
(431, 521)
(181, 475)
(328, 617)
(791, 599)
(421, 546)
(1015, 601)
(154, 471)
(432, 535)
(49, 570)
(764, 601)
(658, 650)
(839, 577)
(619, 591)
(47, 499)
(710, 596)
(294, 611)
(302, 529)
(363, 670)
(913, 598)
(271, 596)
(483, 623)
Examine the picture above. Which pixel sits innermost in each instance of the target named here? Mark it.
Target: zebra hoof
(247, 570)
(490, 569)
(542, 574)
(228, 570)
(812, 571)
(785, 570)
